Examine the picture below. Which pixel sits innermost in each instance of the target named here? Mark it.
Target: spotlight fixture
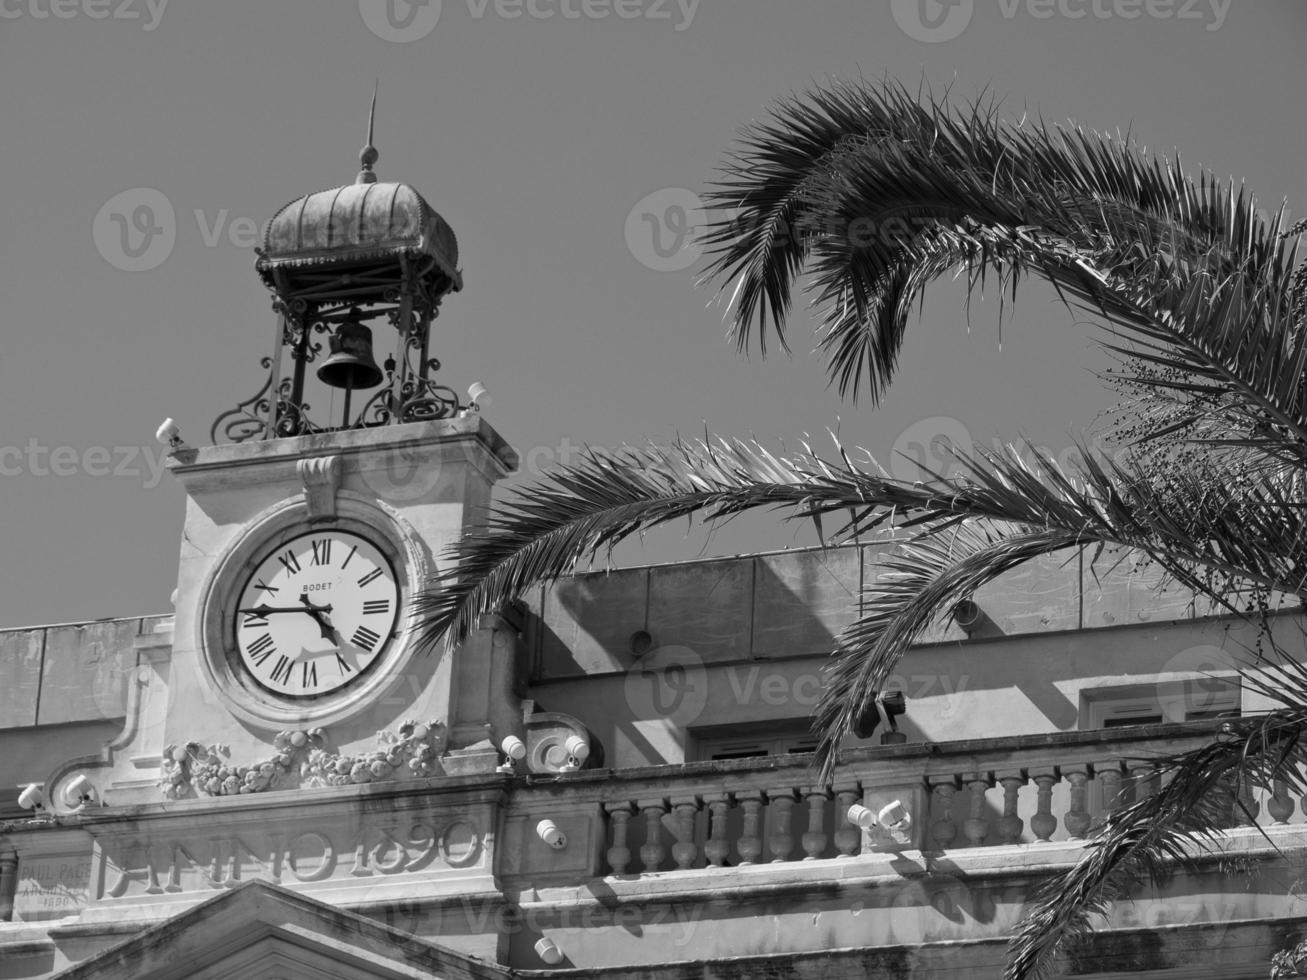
(548, 832)
(640, 643)
(892, 817)
(514, 749)
(967, 615)
(32, 797)
(169, 435)
(478, 396)
(895, 816)
(862, 817)
(548, 951)
(577, 747)
(80, 791)
(885, 708)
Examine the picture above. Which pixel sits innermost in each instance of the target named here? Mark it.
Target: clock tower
(319, 513)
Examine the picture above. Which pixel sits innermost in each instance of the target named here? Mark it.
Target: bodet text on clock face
(315, 612)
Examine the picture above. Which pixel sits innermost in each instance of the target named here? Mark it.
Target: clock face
(315, 613)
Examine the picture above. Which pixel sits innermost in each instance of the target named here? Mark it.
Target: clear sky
(535, 128)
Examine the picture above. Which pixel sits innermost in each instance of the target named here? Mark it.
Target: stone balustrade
(980, 793)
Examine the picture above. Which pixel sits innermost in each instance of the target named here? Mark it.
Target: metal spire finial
(368, 155)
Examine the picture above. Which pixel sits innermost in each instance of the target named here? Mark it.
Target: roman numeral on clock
(261, 649)
(322, 551)
(310, 678)
(375, 606)
(369, 578)
(254, 620)
(270, 589)
(342, 665)
(349, 556)
(281, 670)
(365, 638)
(291, 563)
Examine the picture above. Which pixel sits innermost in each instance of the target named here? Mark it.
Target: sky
(562, 140)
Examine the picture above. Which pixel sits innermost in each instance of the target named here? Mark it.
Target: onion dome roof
(359, 224)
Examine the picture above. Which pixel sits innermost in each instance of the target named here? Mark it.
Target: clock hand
(264, 610)
(319, 614)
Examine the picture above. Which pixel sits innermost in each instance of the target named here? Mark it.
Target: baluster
(847, 836)
(1077, 819)
(1280, 805)
(814, 841)
(1246, 816)
(653, 851)
(750, 843)
(1109, 780)
(1141, 778)
(8, 883)
(619, 855)
(685, 851)
(1010, 825)
(716, 848)
(945, 829)
(1043, 824)
(976, 827)
(781, 842)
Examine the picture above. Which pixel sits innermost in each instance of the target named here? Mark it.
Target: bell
(351, 365)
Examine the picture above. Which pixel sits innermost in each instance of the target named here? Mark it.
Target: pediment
(261, 931)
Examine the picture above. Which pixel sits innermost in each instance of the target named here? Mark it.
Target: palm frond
(578, 510)
(877, 195)
(1200, 792)
(914, 587)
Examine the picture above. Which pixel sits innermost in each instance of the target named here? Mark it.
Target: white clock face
(315, 613)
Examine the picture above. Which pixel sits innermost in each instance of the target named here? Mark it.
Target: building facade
(611, 778)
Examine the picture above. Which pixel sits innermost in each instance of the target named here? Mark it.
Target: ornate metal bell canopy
(336, 260)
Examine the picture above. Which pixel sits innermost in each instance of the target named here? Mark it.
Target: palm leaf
(876, 196)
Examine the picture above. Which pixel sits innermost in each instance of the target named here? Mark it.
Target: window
(1163, 702)
(752, 741)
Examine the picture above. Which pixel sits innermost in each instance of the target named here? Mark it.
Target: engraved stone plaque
(52, 886)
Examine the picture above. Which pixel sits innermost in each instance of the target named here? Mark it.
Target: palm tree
(869, 194)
